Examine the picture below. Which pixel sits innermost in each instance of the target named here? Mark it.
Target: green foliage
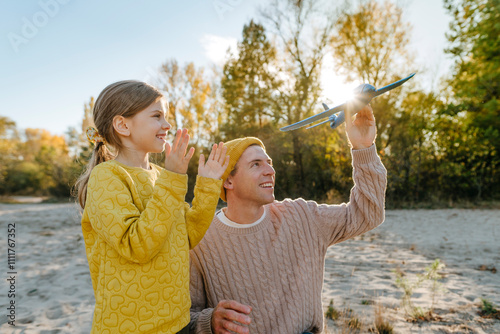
(24, 178)
(37, 163)
(466, 163)
(331, 312)
(409, 286)
(64, 175)
(487, 306)
(8, 143)
(488, 310)
(410, 148)
(248, 84)
(475, 46)
(475, 84)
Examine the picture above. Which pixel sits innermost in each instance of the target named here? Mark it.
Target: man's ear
(120, 126)
(228, 184)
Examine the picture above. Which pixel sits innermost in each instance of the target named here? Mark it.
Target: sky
(56, 54)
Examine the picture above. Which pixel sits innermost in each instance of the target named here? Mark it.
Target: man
(259, 268)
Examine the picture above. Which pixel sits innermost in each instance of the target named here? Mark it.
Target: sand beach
(53, 290)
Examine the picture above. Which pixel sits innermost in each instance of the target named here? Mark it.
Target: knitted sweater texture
(138, 231)
(276, 266)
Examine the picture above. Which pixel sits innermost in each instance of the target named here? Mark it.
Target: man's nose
(270, 170)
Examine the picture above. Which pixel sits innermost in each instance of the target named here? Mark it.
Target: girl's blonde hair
(123, 98)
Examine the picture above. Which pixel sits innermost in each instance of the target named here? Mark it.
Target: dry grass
(381, 325)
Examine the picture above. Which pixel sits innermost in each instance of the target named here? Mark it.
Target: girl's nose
(166, 126)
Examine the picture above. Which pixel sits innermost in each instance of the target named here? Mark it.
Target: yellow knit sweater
(138, 231)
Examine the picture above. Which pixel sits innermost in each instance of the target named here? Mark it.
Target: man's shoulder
(289, 204)
(291, 211)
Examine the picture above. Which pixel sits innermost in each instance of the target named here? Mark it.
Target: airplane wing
(362, 95)
(322, 122)
(392, 85)
(314, 118)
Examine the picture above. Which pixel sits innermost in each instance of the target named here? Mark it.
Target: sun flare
(334, 86)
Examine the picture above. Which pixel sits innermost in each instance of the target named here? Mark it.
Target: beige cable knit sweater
(277, 266)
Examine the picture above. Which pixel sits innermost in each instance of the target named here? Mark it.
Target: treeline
(438, 146)
(34, 162)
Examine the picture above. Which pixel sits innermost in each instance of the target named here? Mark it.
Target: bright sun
(335, 90)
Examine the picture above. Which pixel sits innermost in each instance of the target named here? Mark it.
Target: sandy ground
(361, 271)
(54, 292)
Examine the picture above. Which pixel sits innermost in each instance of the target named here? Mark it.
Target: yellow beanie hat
(235, 149)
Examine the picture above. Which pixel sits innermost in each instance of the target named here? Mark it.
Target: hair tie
(93, 136)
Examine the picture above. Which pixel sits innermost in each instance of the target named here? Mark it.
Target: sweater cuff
(205, 321)
(172, 179)
(209, 184)
(170, 182)
(364, 156)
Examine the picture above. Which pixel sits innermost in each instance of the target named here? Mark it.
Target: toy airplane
(363, 94)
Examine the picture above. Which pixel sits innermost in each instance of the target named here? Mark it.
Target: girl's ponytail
(99, 154)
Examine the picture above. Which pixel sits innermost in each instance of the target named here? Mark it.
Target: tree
(50, 154)
(195, 109)
(475, 45)
(410, 156)
(247, 84)
(189, 94)
(40, 142)
(171, 81)
(370, 45)
(475, 82)
(370, 42)
(193, 104)
(216, 105)
(9, 141)
(302, 29)
(76, 140)
(37, 164)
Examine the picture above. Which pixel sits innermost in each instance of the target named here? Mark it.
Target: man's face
(253, 182)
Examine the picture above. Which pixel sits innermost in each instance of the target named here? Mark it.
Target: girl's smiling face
(148, 128)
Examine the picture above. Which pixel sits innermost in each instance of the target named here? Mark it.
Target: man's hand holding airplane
(361, 131)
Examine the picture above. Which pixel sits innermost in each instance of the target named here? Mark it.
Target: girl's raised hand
(176, 159)
(216, 164)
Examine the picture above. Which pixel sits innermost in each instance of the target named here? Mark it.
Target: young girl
(137, 228)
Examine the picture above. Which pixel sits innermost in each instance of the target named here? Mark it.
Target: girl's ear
(228, 184)
(120, 126)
